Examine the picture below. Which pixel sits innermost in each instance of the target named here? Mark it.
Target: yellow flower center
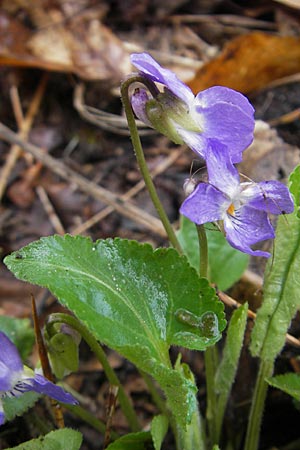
(230, 210)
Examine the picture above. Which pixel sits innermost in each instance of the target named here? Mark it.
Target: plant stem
(211, 364)
(157, 398)
(210, 355)
(141, 157)
(257, 406)
(124, 400)
(203, 251)
(89, 418)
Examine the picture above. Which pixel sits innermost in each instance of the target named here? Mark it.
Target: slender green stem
(124, 400)
(203, 250)
(211, 364)
(141, 157)
(221, 406)
(257, 406)
(89, 418)
(157, 398)
(210, 355)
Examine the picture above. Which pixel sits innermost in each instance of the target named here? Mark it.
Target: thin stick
(111, 406)
(161, 167)
(16, 104)
(48, 207)
(24, 129)
(127, 209)
(229, 301)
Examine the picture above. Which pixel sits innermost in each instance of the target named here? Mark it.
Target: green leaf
(159, 428)
(17, 406)
(63, 439)
(225, 264)
(129, 297)
(235, 336)
(227, 368)
(20, 333)
(282, 285)
(294, 185)
(132, 441)
(289, 383)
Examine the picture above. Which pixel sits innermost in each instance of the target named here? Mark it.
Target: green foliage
(289, 383)
(235, 336)
(55, 440)
(133, 441)
(17, 406)
(294, 185)
(63, 354)
(227, 368)
(127, 295)
(282, 285)
(159, 428)
(225, 264)
(20, 333)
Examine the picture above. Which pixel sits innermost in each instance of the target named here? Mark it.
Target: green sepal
(62, 344)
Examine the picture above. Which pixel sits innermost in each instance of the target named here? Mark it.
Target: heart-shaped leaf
(131, 298)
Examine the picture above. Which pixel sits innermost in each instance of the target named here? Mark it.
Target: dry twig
(24, 128)
(125, 208)
(229, 301)
(48, 207)
(161, 167)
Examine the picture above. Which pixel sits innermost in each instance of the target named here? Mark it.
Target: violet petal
(221, 172)
(138, 102)
(228, 124)
(246, 228)
(218, 94)
(204, 204)
(152, 70)
(270, 196)
(9, 354)
(43, 386)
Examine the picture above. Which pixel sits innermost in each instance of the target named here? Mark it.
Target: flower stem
(210, 355)
(257, 405)
(90, 419)
(141, 157)
(124, 400)
(211, 364)
(203, 251)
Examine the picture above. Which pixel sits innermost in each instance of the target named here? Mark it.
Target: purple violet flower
(243, 207)
(217, 113)
(15, 378)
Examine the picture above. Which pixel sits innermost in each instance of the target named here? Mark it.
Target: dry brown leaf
(83, 46)
(290, 3)
(249, 62)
